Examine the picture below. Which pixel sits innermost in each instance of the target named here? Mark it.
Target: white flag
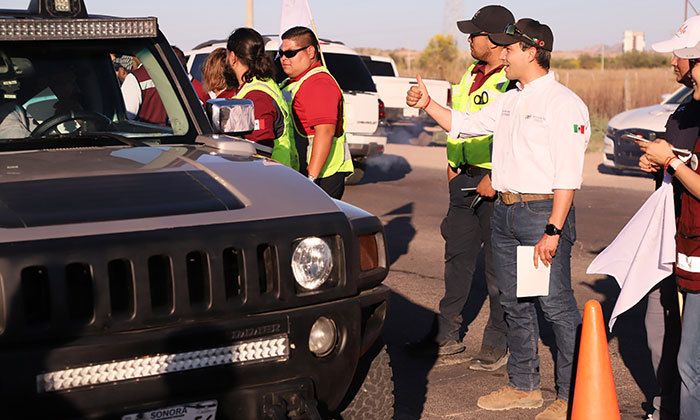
(295, 13)
(644, 251)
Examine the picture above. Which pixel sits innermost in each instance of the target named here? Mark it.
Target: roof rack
(209, 43)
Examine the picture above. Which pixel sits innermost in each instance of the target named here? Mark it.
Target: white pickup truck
(392, 88)
(364, 110)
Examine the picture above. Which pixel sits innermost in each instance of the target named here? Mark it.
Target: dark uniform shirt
(682, 130)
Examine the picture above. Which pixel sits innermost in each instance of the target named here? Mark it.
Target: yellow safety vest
(339, 159)
(474, 150)
(283, 150)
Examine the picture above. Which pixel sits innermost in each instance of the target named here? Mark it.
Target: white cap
(684, 42)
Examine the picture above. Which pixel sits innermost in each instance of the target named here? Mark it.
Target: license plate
(204, 410)
(410, 112)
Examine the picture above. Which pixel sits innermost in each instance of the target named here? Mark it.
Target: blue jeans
(523, 224)
(689, 358)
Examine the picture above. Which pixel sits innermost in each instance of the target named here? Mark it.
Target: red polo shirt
(481, 77)
(318, 101)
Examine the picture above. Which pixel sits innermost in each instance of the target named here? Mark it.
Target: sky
(391, 24)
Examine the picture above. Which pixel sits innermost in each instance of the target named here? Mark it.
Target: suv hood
(652, 118)
(143, 188)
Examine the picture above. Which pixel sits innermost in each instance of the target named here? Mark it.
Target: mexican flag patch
(579, 128)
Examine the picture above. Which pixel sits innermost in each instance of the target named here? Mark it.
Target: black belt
(472, 170)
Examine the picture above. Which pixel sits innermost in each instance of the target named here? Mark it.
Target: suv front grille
(93, 285)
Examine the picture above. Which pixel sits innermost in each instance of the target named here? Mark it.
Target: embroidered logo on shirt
(579, 128)
(535, 117)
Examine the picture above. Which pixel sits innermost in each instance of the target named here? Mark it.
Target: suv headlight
(610, 132)
(312, 262)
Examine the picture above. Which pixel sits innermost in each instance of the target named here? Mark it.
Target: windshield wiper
(66, 141)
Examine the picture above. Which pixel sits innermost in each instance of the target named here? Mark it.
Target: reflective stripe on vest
(474, 150)
(339, 159)
(284, 150)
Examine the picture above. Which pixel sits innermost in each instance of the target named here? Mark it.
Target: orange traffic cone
(594, 394)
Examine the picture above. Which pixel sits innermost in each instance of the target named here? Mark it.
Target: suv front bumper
(243, 390)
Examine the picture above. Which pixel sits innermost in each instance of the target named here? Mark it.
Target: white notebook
(531, 281)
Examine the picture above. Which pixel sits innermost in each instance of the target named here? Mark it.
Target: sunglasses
(289, 53)
(513, 30)
(472, 36)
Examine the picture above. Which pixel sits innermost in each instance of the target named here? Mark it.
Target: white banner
(295, 13)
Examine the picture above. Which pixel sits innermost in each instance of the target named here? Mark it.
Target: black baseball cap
(526, 30)
(491, 19)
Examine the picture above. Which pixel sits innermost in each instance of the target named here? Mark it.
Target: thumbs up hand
(417, 96)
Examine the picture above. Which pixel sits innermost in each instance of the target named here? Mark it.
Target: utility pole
(249, 13)
(602, 57)
(685, 15)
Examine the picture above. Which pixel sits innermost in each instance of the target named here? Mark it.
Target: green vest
(474, 150)
(339, 159)
(283, 151)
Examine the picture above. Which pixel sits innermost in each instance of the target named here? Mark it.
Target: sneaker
(556, 411)
(430, 346)
(507, 398)
(489, 359)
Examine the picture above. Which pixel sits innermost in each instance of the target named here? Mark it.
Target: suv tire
(371, 395)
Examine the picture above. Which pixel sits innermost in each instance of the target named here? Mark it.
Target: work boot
(556, 411)
(489, 359)
(432, 346)
(507, 398)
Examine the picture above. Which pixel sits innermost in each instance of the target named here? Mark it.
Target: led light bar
(124, 370)
(75, 29)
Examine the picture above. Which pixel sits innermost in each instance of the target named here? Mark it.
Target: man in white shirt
(541, 130)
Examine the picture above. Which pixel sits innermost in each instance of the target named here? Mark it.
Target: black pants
(333, 185)
(465, 229)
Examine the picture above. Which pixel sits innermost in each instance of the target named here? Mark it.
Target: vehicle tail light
(382, 113)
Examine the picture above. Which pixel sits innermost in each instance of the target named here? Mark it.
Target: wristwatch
(552, 230)
(311, 178)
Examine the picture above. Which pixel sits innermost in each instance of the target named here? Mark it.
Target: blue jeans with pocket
(689, 358)
(523, 223)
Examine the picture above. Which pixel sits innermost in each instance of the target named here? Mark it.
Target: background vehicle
(153, 270)
(392, 88)
(364, 111)
(649, 122)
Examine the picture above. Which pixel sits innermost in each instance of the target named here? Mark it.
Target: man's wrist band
(675, 163)
(668, 162)
(427, 103)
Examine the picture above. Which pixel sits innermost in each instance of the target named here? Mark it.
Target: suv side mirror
(231, 116)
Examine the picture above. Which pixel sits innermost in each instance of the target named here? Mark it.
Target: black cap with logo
(526, 30)
(490, 19)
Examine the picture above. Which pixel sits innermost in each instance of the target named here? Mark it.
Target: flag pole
(313, 26)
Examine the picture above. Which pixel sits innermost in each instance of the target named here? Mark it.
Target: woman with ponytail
(254, 72)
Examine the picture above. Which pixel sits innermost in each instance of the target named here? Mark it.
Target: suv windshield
(683, 95)
(89, 89)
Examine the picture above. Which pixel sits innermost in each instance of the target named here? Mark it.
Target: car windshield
(683, 95)
(63, 90)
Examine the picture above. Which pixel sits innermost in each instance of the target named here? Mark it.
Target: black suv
(156, 269)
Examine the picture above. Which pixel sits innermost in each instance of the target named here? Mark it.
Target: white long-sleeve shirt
(540, 133)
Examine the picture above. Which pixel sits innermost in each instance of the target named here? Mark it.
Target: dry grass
(604, 91)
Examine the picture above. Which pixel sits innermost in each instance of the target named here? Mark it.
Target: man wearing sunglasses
(467, 224)
(541, 130)
(318, 108)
